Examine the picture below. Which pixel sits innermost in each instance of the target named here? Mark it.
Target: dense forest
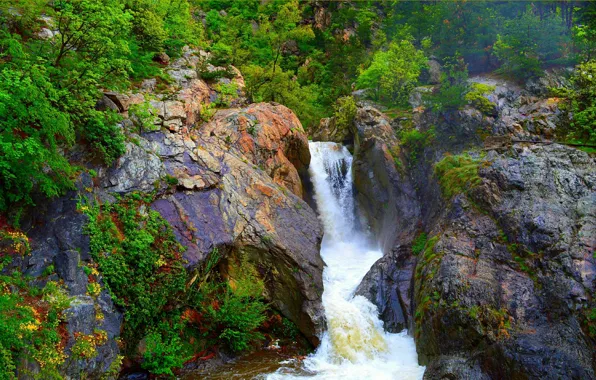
(318, 58)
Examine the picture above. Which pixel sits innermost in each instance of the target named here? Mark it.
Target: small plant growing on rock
(476, 98)
(163, 353)
(140, 261)
(415, 141)
(419, 243)
(344, 112)
(457, 174)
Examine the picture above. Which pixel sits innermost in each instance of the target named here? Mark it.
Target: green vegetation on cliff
(31, 318)
(177, 313)
(457, 174)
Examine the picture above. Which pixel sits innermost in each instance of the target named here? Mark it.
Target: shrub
(31, 131)
(162, 354)
(29, 321)
(415, 141)
(105, 136)
(453, 87)
(221, 54)
(140, 260)
(457, 174)
(345, 112)
(241, 309)
(582, 128)
(393, 73)
(476, 97)
(419, 243)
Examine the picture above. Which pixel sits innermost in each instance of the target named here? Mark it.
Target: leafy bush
(583, 105)
(221, 54)
(457, 174)
(105, 136)
(239, 310)
(140, 260)
(453, 87)
(415, 141)
(31, 130)
(29, 320)
(163, 353)
(393, 73)
(345, 112)
(528, 41)
(476, 97)
(226, 93)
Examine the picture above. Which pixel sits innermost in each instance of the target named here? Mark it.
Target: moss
(457, 174)
(476, 97)
(419, 243)
(415, 141)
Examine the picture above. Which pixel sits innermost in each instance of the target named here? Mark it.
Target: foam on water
(355, 346)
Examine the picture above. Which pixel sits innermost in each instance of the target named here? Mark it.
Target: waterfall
(355, 346)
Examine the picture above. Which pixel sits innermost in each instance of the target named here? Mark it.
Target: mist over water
(355, 346)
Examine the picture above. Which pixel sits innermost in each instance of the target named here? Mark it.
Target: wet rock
(502, 287)
(240, 192)
(388, 285)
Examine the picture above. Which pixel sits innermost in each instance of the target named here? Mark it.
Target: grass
(457, 174)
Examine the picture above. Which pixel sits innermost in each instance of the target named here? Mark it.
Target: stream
(355, 345)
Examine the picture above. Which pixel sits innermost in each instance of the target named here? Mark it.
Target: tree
(393, 73)
(528, 42)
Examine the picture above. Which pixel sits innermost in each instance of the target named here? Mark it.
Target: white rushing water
(355, 346)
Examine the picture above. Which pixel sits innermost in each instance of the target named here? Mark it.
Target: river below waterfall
(355, 345)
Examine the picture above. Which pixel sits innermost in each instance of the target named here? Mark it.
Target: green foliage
(104, 135)
(163, 353)
(457, 174)
(143, 115)
(226, 93)
(415, 141)
(49, 86)
(140, 260)
(419, 243)
(29, 323)
(476, 98)
(264, 84)
(453, 86)
(345, 112)
(393, 73)
(31, 130)
(582, 128)
(527, 41)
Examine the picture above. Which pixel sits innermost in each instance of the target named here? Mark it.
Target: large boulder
(503, 287)
(239, 190)
(385, 196)
(511, 270)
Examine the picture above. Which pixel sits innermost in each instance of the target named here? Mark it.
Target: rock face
(504, 285)
(233, 184)
(56, 235)
(511, 269)
(239, 190)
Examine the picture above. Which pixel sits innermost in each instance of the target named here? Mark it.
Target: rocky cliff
(489, 235)
(225, 179)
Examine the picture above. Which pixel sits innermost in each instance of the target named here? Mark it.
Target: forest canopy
(56, 58)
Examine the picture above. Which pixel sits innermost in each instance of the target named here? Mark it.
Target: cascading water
(355, 345)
